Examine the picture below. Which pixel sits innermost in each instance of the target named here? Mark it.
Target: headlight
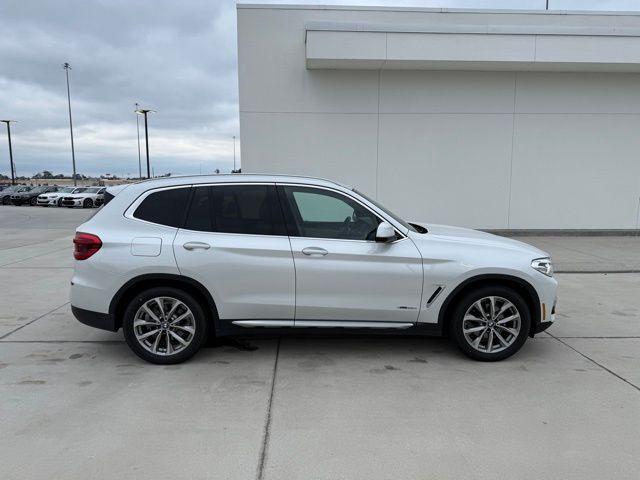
(543, 265)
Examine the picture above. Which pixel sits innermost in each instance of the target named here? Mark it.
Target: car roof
(145, 185)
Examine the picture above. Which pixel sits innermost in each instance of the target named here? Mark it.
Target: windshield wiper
(419, 228)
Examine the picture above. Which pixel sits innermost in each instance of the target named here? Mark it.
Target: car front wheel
(164, 325)
(491, 323)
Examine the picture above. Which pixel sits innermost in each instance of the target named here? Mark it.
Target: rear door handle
(196, 246)
(314, 251)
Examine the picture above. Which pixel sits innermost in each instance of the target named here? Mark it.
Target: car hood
(467, 236)
(80, 195)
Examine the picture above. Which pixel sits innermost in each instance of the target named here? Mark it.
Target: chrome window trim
(136, 203)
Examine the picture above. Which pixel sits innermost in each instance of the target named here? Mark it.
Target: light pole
(13, 170)
(234, 154)
(138, 129)
(547, 5)
(145, 111)
(67, 67)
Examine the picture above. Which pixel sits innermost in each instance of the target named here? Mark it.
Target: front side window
(243, 209)
(320, 213)
(166, 207)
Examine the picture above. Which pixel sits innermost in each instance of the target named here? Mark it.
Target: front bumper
(103, 321)
(47, 202)
(77, 202)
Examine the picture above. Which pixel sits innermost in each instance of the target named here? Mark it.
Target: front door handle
(314, 251)
(196, 246)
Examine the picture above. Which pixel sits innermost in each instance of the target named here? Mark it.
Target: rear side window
(244, 209)
(166, 207)
(199, 217)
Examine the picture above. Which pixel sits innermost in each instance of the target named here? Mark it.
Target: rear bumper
(103, 321)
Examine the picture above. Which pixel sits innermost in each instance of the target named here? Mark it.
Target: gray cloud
(176, 57)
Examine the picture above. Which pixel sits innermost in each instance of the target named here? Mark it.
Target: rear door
(234, 242)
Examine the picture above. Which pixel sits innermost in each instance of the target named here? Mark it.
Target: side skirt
(226, 328)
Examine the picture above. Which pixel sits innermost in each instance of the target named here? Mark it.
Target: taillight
(85, 245)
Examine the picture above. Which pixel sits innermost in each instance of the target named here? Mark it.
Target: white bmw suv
(173, 261)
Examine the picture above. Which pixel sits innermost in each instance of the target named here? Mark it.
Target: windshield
(387, 211)
(66, 190)
(24, 189)
(93, 190)
(38, 189)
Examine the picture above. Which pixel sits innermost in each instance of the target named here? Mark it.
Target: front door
(342, 273)
(234, 242)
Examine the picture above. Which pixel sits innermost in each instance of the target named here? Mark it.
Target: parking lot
(76, 403)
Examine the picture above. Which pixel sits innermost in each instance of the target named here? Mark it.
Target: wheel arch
(128, 291)
(524, 288)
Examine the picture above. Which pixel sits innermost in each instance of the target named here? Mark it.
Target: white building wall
(486, 149)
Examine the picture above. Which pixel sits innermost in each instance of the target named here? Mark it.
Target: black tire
(457, 322)
(199, 336)
(34, 201)
(87, 203)
(60, 202)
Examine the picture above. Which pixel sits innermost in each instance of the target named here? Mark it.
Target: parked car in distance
(55, 198)
(5, 195)
(171, 261)
(30, 197)
(90, 197)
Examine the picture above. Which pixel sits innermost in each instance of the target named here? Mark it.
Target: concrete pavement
(76, 403)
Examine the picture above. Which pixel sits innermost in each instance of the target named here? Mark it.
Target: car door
(234, 242)
(342, 274)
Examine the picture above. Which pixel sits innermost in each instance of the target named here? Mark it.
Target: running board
(319, 324)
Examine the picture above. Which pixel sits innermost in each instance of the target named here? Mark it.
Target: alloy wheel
(164, 326)
(491, 324)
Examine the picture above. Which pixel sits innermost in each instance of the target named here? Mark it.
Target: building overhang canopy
(332, 45)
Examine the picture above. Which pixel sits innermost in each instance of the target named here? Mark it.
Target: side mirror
(385, 232)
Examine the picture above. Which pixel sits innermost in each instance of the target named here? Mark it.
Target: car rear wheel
(491, 323)
(60, 202)
(164, 325)
(34, 201)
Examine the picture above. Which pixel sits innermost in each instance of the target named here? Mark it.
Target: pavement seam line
(108, 342)
(35, 256)
(267, 425)
(34, 320)
(586, 272)
(594, 362)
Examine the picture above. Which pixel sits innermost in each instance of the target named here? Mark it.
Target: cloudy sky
(176, 57)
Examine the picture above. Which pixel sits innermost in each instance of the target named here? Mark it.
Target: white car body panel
(357, 280)
(79, 198)
(51, 198)
(248, 276)
(263, 277)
